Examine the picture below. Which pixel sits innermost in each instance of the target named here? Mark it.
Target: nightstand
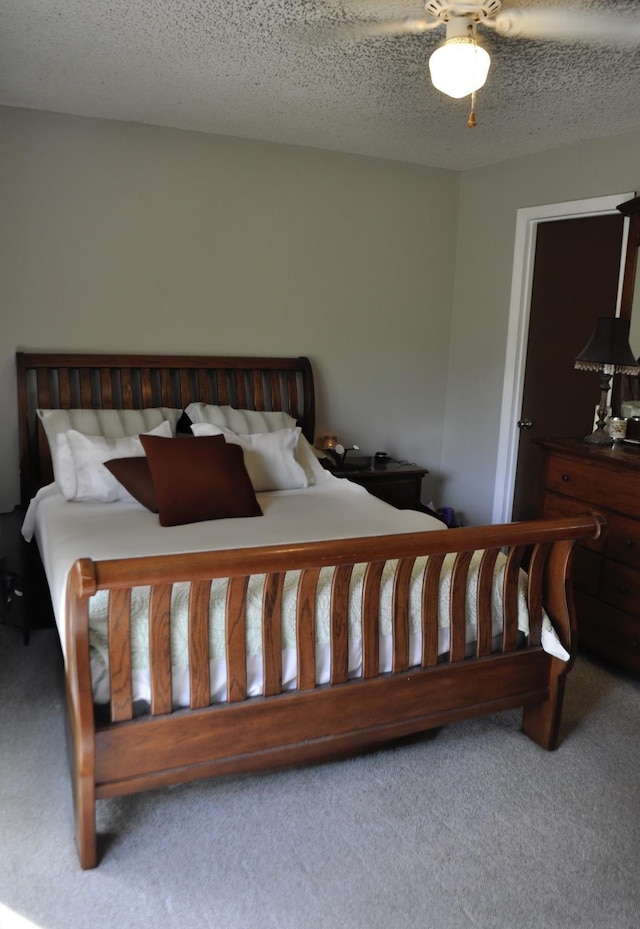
(13, 610)
(392, 481)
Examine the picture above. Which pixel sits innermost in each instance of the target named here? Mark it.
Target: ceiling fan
(460, 66)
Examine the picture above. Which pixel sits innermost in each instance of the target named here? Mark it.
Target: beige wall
(122, 237)
(134, 238)
(490, 198)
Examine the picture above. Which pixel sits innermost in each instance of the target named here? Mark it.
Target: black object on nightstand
(13, 608)
(395, 482)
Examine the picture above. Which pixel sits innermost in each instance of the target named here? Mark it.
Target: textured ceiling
(264, 69)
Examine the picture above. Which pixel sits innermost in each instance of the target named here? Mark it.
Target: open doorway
(528, 222)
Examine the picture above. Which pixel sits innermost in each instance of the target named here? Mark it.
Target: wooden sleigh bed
(312, 722)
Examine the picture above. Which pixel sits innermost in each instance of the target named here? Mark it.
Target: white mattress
(329, 509)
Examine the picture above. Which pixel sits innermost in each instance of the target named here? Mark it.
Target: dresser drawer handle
(628, 543)
(565, 477)
(624, 589)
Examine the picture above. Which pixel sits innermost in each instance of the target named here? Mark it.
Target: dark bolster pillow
(203, 478)
(135, 476)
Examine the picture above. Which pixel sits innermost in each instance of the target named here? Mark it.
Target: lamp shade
(609, 347)
(459, 67)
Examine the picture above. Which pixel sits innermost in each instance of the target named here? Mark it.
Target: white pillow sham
(253, 422)
(94, 482)
(108, 423)
(242, 422)
(269, 457)
(310, 462)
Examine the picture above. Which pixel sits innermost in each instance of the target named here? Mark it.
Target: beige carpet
(476, 828)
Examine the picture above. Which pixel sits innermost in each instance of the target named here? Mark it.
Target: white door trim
(518, 331)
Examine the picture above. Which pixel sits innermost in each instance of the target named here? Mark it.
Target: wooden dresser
(579, 477)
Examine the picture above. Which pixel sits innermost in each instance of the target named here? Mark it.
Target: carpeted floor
(477, 827)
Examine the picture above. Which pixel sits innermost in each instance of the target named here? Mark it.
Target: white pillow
(307, 457)
(242, 422)
(109, 423)
(252, 422)
(269, 457)
(94, 482)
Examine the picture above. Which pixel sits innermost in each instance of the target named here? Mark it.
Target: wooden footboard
(313, 722)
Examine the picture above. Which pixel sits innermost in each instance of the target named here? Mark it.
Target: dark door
(575, 280)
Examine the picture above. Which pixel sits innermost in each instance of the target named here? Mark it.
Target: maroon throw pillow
(135, 476)
(201, 479)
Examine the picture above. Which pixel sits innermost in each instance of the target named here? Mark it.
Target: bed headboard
(62, 381)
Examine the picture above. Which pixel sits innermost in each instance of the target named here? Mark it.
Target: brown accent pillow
(135, 476)
(201, 479)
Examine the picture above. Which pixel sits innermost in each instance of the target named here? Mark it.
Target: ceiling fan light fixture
(459, 67)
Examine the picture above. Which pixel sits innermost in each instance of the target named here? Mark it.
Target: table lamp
(608, 351)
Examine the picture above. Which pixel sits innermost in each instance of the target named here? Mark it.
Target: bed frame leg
(85, 822)
(84, 794)
(541, 721)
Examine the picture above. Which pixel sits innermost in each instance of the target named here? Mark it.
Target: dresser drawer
(608, 631)
(555, 506)
(575, 478)
(621, 586)
(587, 569)
(623, 540)
(602, 485)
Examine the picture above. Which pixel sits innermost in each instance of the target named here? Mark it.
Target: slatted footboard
(314, 722)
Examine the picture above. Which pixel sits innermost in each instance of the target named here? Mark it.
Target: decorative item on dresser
(577, 478)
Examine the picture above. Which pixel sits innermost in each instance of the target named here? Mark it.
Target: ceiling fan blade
(373, 28)
(563, 26)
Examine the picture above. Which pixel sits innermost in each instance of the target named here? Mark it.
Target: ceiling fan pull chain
(471, 122)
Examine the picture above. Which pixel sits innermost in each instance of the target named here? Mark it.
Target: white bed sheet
(329, 509)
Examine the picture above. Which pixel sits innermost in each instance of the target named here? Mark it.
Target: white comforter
(329, 509)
